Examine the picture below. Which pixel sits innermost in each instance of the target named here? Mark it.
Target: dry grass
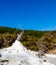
(52, 51)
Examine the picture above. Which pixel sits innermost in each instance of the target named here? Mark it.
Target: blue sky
(28, 14)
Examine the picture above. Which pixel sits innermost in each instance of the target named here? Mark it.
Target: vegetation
(31, 39)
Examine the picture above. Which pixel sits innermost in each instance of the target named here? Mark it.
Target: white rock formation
(17, 54)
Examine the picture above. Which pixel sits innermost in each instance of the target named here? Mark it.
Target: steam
(19, 36)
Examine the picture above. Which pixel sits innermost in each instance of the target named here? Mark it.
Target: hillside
(17, 54)
(31, 39)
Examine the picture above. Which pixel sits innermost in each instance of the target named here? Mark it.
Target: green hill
(32, 39)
